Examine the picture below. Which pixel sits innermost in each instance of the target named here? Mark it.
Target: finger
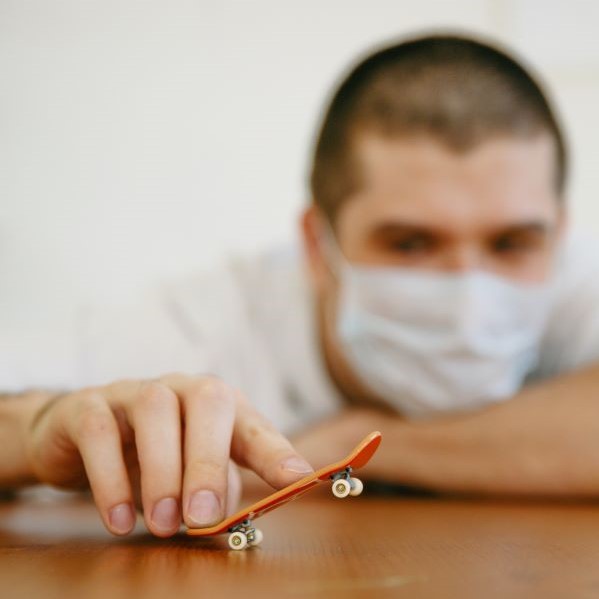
(256, 444)
(94, 430)
(233, 488)
(156, 418)
(209, 407)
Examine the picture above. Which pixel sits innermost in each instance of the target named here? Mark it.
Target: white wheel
(237, 540)
(357, 486)
(258, 536)
(341, 488)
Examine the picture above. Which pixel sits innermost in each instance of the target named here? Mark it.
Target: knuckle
(241, 398)
(155, 395)
(179, 378)
(89, 400)
(213, 388)
(126, 383)
(210, 391)
(207, 469)
(93, 418)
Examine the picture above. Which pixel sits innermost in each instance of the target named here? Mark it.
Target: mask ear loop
(335, 261)
(334, 257)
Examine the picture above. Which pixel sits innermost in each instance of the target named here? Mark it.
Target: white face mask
(427, 342)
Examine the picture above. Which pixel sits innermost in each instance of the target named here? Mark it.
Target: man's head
(440, 152)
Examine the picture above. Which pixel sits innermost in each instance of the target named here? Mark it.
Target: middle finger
(156, 419)
(209, 406)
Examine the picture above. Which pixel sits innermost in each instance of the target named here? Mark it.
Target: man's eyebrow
(394, 228)
(397, 227)
(536, 227)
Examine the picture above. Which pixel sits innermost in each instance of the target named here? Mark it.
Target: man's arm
(544, 441)
(16, 414)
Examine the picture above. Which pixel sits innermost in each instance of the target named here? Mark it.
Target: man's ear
(311, 223)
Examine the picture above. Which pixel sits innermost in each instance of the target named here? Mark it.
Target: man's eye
(411, 245)
(514, 244)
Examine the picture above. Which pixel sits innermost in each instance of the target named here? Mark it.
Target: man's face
(422, 205)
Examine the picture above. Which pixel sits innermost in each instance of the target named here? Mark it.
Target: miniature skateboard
(239, 526)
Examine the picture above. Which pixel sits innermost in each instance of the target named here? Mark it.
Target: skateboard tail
(370, 445)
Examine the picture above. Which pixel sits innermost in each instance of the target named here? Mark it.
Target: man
(440, 300)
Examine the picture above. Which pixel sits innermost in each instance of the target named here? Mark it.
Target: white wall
(140, 139)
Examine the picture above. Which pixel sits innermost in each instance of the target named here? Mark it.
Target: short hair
(458, 90)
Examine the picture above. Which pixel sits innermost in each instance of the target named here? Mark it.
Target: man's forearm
(543, 441)
(16, 413)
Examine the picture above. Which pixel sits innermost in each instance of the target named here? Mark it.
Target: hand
(167, 442)
(333, 439)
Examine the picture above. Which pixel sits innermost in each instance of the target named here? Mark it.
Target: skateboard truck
(243, 535)
(344, 484)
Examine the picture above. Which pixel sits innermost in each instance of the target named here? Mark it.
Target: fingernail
(297, 465)
(121, 518)
(204, 508)
(165, 515)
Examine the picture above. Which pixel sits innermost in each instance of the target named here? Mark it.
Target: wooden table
(318, 546)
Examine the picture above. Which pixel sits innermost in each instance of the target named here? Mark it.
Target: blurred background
(144, 139)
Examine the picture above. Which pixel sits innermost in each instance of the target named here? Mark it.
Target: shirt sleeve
(571, 338)
(252, 331)
(182, 326)
(198, 326)
(39, 355)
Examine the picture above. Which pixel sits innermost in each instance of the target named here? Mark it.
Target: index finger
(256, 444)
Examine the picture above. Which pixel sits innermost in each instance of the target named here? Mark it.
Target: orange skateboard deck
(239, 525)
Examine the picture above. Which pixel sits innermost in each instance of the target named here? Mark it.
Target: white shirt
(253, 324)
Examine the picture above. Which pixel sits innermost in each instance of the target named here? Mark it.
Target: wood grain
(318, 546)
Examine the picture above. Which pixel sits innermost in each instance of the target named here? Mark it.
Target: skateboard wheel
(357, 486)
(258, 536)
(237, 540)
(341, 488)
